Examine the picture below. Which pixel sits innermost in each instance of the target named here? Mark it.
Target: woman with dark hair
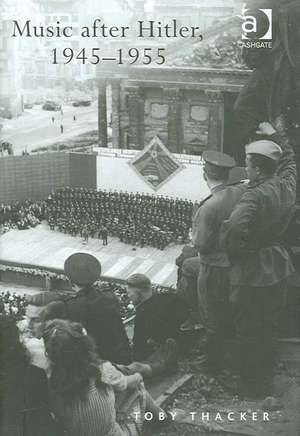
(24, 399)
(84, 387)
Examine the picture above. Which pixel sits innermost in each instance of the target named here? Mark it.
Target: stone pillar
(116, 102)
(48, 283)
(175, 127)
(136, 111)
(102, 113)
(216, 120)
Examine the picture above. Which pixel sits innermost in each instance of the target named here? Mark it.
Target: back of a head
(216, 173)
(237, 175)
(139, 281)
(64, 341)
(72, 356)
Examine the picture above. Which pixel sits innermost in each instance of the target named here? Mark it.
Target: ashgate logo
(257, 24)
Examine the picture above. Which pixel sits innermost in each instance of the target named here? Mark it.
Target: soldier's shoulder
(255, 193)
(211, 203)
(236, 189)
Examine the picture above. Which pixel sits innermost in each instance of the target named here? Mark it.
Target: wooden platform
(43, 247)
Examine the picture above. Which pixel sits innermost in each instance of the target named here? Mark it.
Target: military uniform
(260, 264)
(88, 206)
(97, 311)
(104, 234)
(213, 280)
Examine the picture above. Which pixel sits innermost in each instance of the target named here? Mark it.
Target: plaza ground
(43, 247)
(34, 128)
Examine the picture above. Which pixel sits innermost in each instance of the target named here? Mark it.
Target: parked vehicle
(5, 113)
(51, 106)
(78, 103)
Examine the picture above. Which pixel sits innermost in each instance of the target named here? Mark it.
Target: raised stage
(43, 247)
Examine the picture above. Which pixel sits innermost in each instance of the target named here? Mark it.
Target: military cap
(218, 159)
(265, 148)
(139, 281)
(82, 268)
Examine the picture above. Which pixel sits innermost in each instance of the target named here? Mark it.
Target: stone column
(48, 283)
(102, 113)
(216, 120)
(115, 95)
(136, 111)
(175, 127)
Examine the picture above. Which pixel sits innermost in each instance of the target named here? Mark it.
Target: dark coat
(25, 408)
(99, 313)
(158, 318)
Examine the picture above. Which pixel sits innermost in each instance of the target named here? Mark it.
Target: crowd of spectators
(94, 384)
(13, 305)
(137, 219)
(21, 215)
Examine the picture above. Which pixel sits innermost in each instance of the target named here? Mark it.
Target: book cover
(149, 189)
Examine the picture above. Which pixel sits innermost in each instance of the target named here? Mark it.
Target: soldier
(127, 209)
(213, 279)
(260, 264)
(104, 234)
(92, 229)
(85, 233)
(189, 266)
(51, 223)
(97, 311)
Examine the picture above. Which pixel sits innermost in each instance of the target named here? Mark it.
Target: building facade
(188, 102)
(187, 108)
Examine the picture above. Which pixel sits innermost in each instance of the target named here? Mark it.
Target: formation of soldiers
(137, 219)
(21, 215)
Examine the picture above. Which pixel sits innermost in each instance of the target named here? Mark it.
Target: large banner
(155, 164)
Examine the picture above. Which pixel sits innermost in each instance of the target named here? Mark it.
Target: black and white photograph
(149, 217)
